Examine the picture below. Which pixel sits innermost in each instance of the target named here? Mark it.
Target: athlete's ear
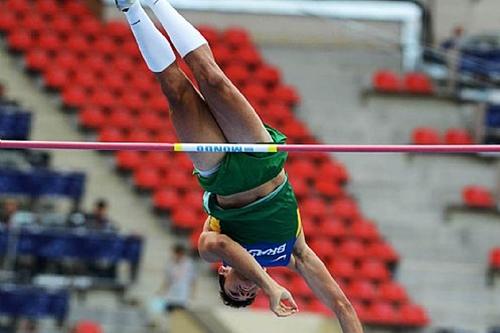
(223, 270)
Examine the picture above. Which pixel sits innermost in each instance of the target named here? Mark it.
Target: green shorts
(266, 228)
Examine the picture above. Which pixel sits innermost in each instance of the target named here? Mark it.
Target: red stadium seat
(92, 117)
(146, 178)
(301, 169)
(97, 64)
(267, 75)
(361, 290)
(478, 197)
(37, 60)
(300, 187)
(8, 21)
(86, 326)
(105, 45)
(236, 37)
(117, 30)
(76, 9)
(425, 136)
(74, 97)
(352, 249)
(20, 8)
(48, 8)
(418, 83)
(185, 219)
(383, 251)
(412, 315)
(111, 134)
(317, 307)
(166, 199)
(393, 292)
(210, 33)
(78, 44)
(139, 135)
(247, 56)
(57, 78)
(129, 160)
(67, 60)
(122, 119)
(158, 160)
(346, 209)
(238, 74)
(373, 270)
(50, 42)
(34, 23)
(386, 81)
(365, 230)
(91, 27)
(323, 247)
(256, 92)
(299, 287)
(334, 171)
(62, 25)
(494, 259)
(87, 80)
(458, 136)
(20, 41)
(329, 189)
(382, 313)
(313, 208)
(285, 94)
(342, 268)
(332, 228)
(222, 54)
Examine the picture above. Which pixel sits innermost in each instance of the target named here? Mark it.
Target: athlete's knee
(207, 71)
(174, 84)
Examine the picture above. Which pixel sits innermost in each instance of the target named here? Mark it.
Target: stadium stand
(122, 107)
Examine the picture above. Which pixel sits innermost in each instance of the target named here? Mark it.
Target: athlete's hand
(281, 302)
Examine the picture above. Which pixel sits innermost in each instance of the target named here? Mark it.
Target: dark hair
(179, 249)
(101, 203)
(228, 300)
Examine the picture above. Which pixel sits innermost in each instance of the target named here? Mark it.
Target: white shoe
(124, 5)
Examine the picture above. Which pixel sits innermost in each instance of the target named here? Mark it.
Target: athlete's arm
(312, 269)
(214, 246)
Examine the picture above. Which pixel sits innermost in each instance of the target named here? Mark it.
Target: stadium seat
(386, 81)
(210, 33)
(128, 160)
(364, 230)
(235, 37)
(329, 189)
(425, 136)
(342, 268)
(166, 199)
(346, 209)
(373, 270)
(333, 228)
(146, 178)
(411, 315)
(91, 117)
(8, 21)
(417, 83)
(268, 75)
(86, 326)
(352, 249)
(393, 292)
(361, 290)
(458, 136)
(299, 287)
(494, 259)
(20, 41)
(323, 247)
(185, 219)
(334, 171)
(286, 95)
(317, 306)
(478, 197)
(238, 74)
(382, 313)
(37, 59)
(313, 208)
(383, 251)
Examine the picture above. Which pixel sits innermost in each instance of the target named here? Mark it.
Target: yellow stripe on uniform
(272, 149)
(299, 226)
(178, 147)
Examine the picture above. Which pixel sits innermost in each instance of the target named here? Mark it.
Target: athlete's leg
(234, 114)
(190, 114)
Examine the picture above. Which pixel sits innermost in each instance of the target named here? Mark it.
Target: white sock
(155, 48)
(183, 35)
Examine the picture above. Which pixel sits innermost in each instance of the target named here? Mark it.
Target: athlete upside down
(253, 221)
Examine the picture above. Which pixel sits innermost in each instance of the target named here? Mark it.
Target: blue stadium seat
(40, 182)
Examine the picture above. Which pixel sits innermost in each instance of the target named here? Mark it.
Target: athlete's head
(235, 290)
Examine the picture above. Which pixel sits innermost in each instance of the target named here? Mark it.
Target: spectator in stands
(9, 210)
(452, 48)
(98, 219)
(179, 281)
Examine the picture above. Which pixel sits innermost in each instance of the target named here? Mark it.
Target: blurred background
(106, 242)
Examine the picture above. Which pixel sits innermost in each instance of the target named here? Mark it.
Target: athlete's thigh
(236, 117)
(190, 115)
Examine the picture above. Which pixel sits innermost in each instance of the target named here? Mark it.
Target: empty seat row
(431, 136)
(388, 81)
